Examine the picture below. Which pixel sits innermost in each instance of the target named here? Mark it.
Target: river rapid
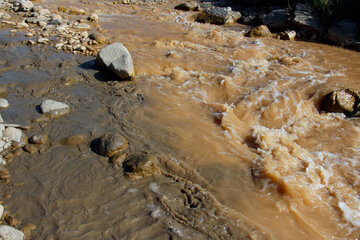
(235, 122)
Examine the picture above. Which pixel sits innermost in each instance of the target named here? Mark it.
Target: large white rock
(14, 134)
(10, 233)
(116, 58)
(54, 108)
(4, 103)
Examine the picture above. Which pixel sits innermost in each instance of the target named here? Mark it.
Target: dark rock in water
(342, 101)
(218, 15)
(38, 139)
(259, 31)
(343, 32)
(187, 6)
(116, 58)
(277, 19)
(98, 37)
(305, 18)
(141, 165)
(110, 144)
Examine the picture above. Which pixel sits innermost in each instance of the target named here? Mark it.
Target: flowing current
(242, 115)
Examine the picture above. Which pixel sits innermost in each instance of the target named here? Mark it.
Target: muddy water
(234, 121)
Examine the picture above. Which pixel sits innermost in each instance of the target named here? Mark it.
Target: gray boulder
(277, 19)
(116, 58)
(305, 18)
(10, 233)
(343, 32)
(187, 6)
(218, 15)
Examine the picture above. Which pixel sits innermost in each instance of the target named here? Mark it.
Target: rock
(76, 11)
(1, 121)
(54, 108)
(81, 26)
(3, 92)
(74, 140)
(22, 25)
(141, 165)
(1, 211)
(343, 32)
(10, 233)
(287, 35)
(38, 139)
(305, 18)
(93, 17)
(187, 6)
(277, 19)
(16, 135)
(44, 12)
(110, 144)
(29, 34)
(4, 103)
(341, 101)
(43, 40)
(218, 15)
(30, 148)
(116, 58)
(56, 20)
(98, 37)
(259, 31)
(117, 159)
(26, 6)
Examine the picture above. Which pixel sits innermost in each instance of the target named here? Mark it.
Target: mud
(243, 149)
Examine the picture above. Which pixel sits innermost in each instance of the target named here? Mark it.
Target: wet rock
(260, 31)
(81, 26)
(22, 25)
(54, 108)
(93, 17)
(141, 165)
(56, 20)
(187, 6)
(30, 148)
(74, 140)
(4, 103)
(16, 135)
(98, 37)
(29, 34)
(305, 18)
(341, 101)
(110, 144)
(76, 11)
(218, 15)
(38, 139)
(43, 40)
(287, 35)
(116, 58)
(10, 233)
(277, 19)
(117, 159)
(343, 32)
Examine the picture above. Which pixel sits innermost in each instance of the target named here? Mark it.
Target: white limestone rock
(10, 233)
(54, 108)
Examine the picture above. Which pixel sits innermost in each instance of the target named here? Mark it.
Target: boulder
(141, 165)
(260, 31)
(277, 19)
(187, 6)
(341, 101)
(54, 108)
(218, 15)
(343, 32)
(110, 144)
(15, 135)
(116, 58)
(10, 233)
(305, 18)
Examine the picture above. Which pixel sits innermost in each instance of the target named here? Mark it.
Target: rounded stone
(4, 103)
(10, 233)
(110, 144)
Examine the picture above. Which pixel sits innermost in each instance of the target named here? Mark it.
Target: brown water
(235, 122)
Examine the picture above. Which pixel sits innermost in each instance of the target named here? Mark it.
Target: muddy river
(235, 123)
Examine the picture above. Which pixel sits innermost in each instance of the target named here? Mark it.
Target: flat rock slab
(54, 108)
(10, 233)
(116, 58)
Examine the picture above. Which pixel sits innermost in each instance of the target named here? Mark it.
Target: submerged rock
(10, 233)
(116, 58)
(187, 6)
(141, 165)
(260, 31)
(38, 139)
(110, 144)
(305, 18)
(54, 108)
(342, 101)
(343, 32)
(218, 15)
